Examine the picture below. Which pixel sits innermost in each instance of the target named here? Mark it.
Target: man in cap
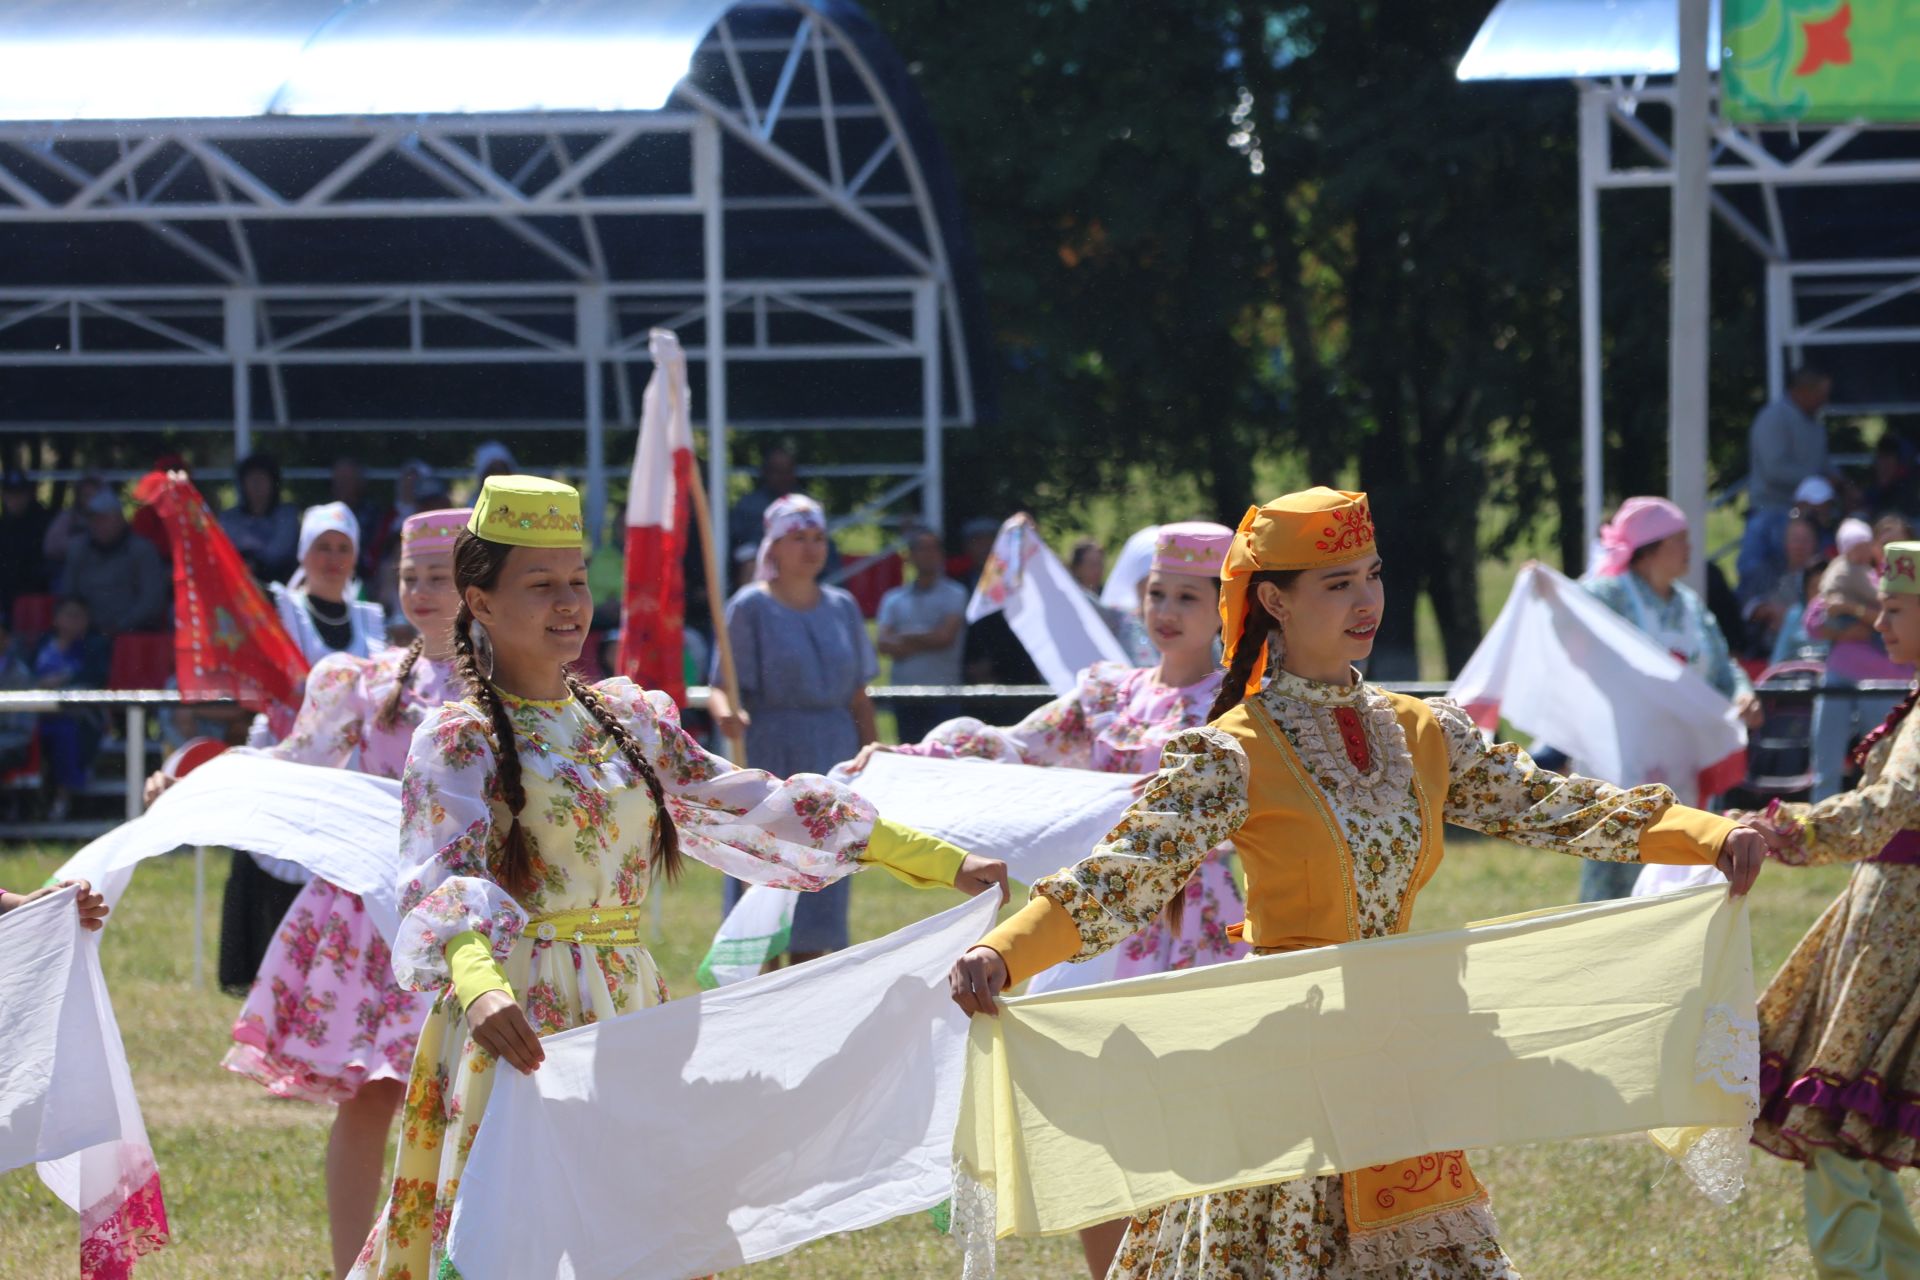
(119, 576)
(1786, 445)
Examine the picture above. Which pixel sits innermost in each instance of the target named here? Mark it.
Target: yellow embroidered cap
(1316, 528)
(528, 511)
(1900, 576)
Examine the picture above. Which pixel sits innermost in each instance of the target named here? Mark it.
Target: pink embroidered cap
(1640, 522)
(1197, 547)
(431, 533)
(784, 516)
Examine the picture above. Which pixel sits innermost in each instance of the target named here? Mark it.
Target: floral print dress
(1298, 1230)
(325, 1015)
(1840, 1022)
(590, 820)
(1116, 721)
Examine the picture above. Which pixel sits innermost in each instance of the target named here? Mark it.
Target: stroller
(1780, 763)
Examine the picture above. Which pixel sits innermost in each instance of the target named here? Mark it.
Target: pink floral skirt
(1213, 902)
(325, 1016)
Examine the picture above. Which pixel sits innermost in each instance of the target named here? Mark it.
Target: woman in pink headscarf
(1646, 550)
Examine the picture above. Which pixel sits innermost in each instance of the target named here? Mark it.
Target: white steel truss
(1809, 302)
(790, 92)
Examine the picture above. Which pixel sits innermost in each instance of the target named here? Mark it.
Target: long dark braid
(390, 714)
(666, 836)
(477, 563)
(1258, 628)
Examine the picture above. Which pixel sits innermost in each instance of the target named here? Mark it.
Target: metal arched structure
(787, 210)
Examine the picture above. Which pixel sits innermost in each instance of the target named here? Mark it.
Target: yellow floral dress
(1298, 1230)
(591, 821)
(1840, 1022)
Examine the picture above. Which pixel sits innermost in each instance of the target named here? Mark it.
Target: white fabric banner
(731, 1127)
(1036, 820)
(1559, 664)
(341, 825)
(1056, 621)
(53, 1057)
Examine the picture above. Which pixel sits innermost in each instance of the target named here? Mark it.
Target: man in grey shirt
(923, 629)
(1786, 444)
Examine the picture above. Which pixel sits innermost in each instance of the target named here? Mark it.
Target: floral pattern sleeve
(333, 715)
(1498, 790)
(446, 827)
(1196, 801)
(802, 832)
(1058, 733)
(1856, 825)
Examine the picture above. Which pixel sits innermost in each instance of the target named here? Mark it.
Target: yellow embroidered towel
(1086, 1105)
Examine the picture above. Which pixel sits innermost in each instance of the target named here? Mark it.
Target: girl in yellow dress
(535, 816)
(1334, 793)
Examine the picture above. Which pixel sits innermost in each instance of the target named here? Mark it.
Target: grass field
(243, 1172)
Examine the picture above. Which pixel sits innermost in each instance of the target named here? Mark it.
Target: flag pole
(716, 607)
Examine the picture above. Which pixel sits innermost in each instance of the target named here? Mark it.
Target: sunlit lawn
(243, 1172)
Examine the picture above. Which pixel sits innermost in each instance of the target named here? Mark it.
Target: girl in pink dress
(325, 1020)
(1116, 721)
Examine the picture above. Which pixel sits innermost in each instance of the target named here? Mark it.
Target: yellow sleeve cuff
(1684, 836)
(923, 861)
(473, 969)
(1037, 936)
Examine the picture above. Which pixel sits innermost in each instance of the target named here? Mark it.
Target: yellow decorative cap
(1901, 575)
(527, 511)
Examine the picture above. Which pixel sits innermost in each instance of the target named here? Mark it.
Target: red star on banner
(1827, 43)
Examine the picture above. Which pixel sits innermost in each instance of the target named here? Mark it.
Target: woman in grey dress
(804, 660)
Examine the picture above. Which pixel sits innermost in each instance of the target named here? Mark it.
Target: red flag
(228, 640)
(653, 610)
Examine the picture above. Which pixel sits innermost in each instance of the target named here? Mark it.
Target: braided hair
(477, 563)
(666, 836)
(390, 713)
(1260, 624)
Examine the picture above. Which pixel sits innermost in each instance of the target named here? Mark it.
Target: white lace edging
(1325, 753)
(1728, 1056)
(972, 1224)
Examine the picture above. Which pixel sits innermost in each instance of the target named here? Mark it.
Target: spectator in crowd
(347, 485)
(491, 459)
(68, 529)
(976, 544)
(382, 536)
(1894, 487)
(23, 532)
(1786, 444)
(71, 656)
(263, 527)
(779, 476)
(1892, 527)
(1794, 643)
(1648, 548)
(118, 576)
(1816, 499)
(16, 727)
(1848, 603)
(1767, 615)
(923, 629)
(1088, 565)
(804, 662)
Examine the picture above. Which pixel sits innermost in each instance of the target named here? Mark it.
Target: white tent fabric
(341, 825)
(1559, 664)
(222, 59)
(1571, 39)
(708, 1133)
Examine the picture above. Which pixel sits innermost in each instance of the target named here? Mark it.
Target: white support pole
(136, 759)
(926, 336)
(590, 328)
(240, 335)
(707, 186)
(1779, 325)
(1593, 157)
(1687, 341)
(200, 915)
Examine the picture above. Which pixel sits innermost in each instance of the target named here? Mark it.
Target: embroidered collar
(1286, 685)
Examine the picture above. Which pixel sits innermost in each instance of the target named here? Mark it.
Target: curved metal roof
(1571, 39)
(225, 59)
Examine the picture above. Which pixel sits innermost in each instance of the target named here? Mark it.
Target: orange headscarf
(1314, 529)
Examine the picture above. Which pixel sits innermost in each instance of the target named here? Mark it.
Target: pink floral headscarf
(784, 516)
(1640, 522)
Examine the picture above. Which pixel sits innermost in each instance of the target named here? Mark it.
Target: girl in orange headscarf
(1334, 792)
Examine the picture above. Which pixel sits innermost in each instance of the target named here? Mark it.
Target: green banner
(1821, 61)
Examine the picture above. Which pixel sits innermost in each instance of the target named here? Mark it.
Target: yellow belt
(614, 926)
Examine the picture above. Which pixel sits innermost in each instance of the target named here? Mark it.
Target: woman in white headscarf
(316, 605)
